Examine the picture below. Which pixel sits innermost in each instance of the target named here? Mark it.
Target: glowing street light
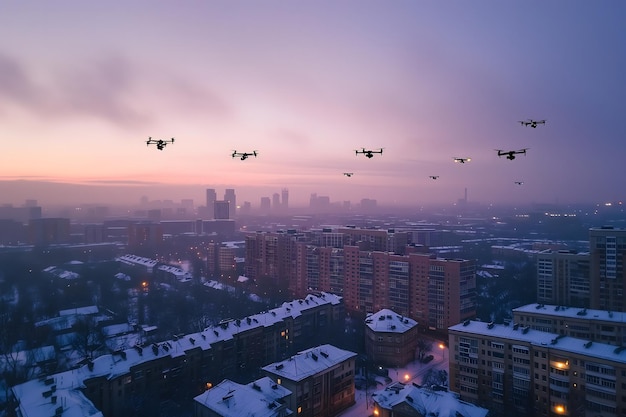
(443, 351)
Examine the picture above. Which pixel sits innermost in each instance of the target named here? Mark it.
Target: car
(427, 359)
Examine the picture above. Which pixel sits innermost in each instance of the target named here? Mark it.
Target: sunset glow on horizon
(83, 86)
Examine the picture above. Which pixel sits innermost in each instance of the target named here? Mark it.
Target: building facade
(321, 380)
(518, 371)
(607, 247)
(563, 278)
(390, 339)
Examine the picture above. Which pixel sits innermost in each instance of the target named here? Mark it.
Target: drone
(434, 177)
(348, 174)
(462, 160)
(368, 152)
(510, 155)
(532, 123)
(244, 155)
(160, 143)
(519, 182)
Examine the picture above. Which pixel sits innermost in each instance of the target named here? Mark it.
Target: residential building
(563, 278)
(607, 247)
(111, 385)
(518, 371)
(261, 398)
(399, 400)
(436, 292)
(321, 380)
(595, 325)
(390, 339)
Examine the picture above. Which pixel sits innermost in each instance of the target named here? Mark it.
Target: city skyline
(306, 84)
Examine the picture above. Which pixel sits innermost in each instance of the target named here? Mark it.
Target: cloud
(16, 86)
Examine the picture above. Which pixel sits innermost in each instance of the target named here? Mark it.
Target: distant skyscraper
(211, 196)
(285, 197)
(222, 210)
(229, 196)
(265, 204)
(276, 202)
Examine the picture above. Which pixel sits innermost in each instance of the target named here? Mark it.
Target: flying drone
(160, 143)
(519, 182)
(462, 160)
(368, 152)
(244, 155)
(348, 174)
(532, 123)
(510, 155)
(434, 177)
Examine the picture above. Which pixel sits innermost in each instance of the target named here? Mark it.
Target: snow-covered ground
(412, 372)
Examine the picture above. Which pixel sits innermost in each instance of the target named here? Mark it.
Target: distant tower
(276, 202)
(222, 210)
(285, 196)
(229, 196)
(211, 196)
(265, 204)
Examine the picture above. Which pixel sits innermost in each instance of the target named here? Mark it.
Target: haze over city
(83, 85)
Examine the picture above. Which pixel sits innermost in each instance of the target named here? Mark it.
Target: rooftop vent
(525, 329)
(279, 366)
(466, 323)
(314, 356)
(490, 325)
(588, 344)
(324, 354)
(582, 312)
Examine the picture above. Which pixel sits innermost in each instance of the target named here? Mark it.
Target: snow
(309, 362)
(389, 321)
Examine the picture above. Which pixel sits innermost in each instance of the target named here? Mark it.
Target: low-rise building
(390, 339)
(321, 380)
(261, 398)
(399, 399)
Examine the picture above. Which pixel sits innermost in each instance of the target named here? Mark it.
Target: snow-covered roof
(309, 362)
(88, 310)
(389, 321)
(427, 402)
(129, 259)
(62, 273)
(571, 312)
(112, 366)
(262, 398)
(538, 338)
(36, 398)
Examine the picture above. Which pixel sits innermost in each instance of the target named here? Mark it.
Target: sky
(306, 83)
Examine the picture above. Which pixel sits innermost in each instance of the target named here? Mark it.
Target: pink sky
(83, 85)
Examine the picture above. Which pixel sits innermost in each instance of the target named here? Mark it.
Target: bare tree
(88, 337)
(424, 346)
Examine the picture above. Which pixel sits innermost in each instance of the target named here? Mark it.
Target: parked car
(427, 359)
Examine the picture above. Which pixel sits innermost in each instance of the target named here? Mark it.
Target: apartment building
(607, 247)
(113, 384)
(390, 339)
(595, 325)
(563, 278)
(262, 398)
(398, 400)
(321, 380)
(515, 370)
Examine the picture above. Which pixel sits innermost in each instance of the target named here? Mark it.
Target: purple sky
(83, 85)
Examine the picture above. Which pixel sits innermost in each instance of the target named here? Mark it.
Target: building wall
(528, 378)
(607, 247)
(563, 278)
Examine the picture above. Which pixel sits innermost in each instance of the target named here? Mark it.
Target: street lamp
(443, 351)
